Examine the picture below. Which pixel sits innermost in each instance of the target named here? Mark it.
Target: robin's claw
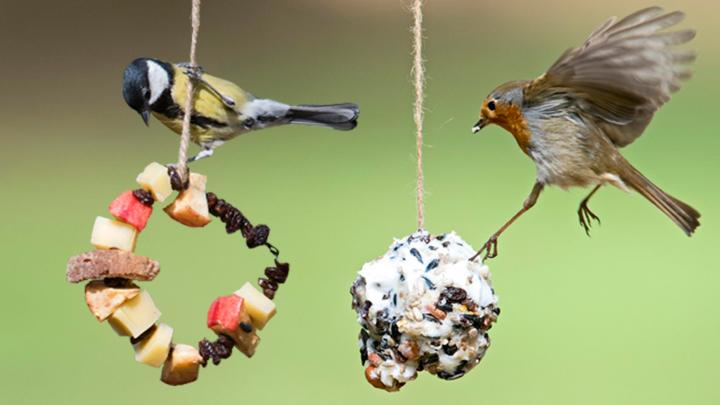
(490, 249)
(586, 217)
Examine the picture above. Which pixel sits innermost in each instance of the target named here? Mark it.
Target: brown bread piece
(102, 264)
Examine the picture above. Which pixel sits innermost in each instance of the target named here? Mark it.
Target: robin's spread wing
(623, 73)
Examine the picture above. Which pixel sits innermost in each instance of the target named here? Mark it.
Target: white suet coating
(423, 306)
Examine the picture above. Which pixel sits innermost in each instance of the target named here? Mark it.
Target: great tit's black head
(144, 82)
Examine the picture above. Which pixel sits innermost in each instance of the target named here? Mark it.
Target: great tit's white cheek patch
(158, 79)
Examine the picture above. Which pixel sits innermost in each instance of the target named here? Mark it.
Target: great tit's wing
(209, 109)
(623, 73)
(209, 89)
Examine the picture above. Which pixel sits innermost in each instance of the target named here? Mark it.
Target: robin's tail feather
(338, 116)
(685, 216)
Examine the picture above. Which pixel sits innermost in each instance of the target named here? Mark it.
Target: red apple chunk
(127, 208)
(224, 314)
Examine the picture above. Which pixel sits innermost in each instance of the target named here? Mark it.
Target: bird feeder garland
(112, 270)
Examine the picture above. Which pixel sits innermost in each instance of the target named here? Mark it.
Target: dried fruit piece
(244, 336)
(190, 208)
(135, 316)
(109, 234)
(127, 208)
(279, 273)
(247, 343)
(155, 179)
(144, 196)
(153, 350)
(182, 366)
(259, 307)
(103, 300)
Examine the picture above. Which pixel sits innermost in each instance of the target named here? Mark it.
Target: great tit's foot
(205, 153)
(193, 72)
(586, 217)
(490, 249)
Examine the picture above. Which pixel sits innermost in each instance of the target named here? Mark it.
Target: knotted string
(185, 137)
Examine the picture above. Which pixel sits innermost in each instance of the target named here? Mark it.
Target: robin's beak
(479, 125)
(145, 114)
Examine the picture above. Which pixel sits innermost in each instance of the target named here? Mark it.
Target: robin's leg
(490, 247)
(586, 216)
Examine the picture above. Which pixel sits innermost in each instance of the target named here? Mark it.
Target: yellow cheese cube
(190, 208)
(182, 366)
(259, 307)
(156, 180)
(154, 349)
(135, 316)
(109, 234)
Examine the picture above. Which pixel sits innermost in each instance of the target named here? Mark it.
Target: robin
(593, 100)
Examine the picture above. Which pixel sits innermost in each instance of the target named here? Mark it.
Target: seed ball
(423, 306)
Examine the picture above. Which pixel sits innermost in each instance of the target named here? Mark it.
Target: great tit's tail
(337, 116)
(685, 216)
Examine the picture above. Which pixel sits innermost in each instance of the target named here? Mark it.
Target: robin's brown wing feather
(623, 73)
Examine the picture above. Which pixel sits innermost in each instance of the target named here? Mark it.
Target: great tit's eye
(146, 93)
(491, 105)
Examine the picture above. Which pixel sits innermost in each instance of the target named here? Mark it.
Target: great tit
(221, 109)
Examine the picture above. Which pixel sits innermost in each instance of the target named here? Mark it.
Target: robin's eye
(491, 105)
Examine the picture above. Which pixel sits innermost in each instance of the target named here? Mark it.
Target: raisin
(454, 295)
(144, 196)
(258, 236)
(116, 282)
(211, 200)
(279, 273)
(269, 293)
(269, 284)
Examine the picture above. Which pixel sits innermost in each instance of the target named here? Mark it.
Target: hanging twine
(419, 76)
(185, 137)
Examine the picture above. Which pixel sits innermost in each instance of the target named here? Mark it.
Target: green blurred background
(627, 316)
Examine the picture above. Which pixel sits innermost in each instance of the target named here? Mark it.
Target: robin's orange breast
(512, 119)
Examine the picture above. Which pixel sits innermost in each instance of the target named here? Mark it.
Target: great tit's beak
(479, 125)
(145, 114)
